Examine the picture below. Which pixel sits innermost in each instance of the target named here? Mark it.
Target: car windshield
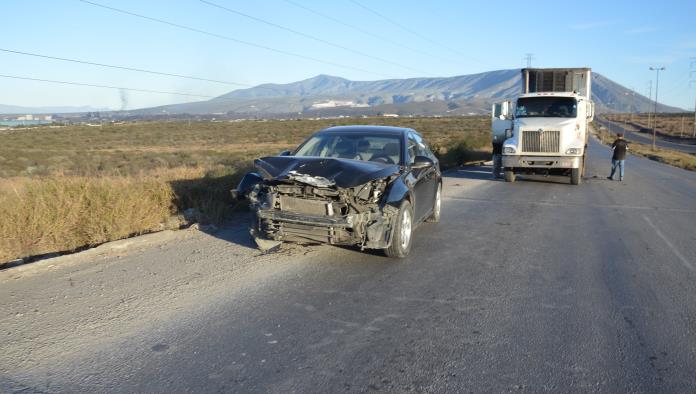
(546, 107)
(366, 147)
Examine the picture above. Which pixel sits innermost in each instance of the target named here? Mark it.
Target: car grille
(541, 141)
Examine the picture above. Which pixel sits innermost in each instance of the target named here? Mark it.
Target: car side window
(421, 148)
(412, 148)
(428, 152)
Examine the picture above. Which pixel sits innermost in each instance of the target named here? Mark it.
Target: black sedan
(350, 185)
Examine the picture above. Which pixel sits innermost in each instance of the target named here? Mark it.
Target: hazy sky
(619, 39)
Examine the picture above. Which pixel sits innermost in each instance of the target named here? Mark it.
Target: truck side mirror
(590, 110)
(508, 133)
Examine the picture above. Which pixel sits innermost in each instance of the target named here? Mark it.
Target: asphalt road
(645, 139)
(536, 286)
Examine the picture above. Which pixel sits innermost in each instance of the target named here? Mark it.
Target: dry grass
(65, 188)
(64, 213)
(674, 158)
(131, 148)
(675, 125)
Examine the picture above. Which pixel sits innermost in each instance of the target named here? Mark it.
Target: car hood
(323, 171)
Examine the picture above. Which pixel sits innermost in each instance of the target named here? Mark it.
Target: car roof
(373, 129)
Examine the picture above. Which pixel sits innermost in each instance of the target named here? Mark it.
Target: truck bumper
(542, 161)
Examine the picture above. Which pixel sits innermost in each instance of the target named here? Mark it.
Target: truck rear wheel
(509, 175)
(575, 177)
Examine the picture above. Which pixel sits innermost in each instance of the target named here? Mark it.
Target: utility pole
(528, 57)
(694, 133)
(657, 85)
(649, 98)
(692, 82)
(681, 133)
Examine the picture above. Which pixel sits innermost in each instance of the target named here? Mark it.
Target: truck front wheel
(509, 175)
(575, 176)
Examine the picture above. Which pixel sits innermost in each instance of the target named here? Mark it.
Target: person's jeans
(620, 164)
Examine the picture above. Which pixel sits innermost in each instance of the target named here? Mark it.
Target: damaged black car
(367, 186)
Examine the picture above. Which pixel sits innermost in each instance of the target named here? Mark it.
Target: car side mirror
(284, 153)
(422, 162)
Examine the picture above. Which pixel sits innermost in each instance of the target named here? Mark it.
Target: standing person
(620, 146)
(497, 157)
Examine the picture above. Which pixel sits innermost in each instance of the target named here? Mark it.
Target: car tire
(437, 206)
(403, 232)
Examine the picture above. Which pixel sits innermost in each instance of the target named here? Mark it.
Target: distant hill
(326, 95)
(13, 109)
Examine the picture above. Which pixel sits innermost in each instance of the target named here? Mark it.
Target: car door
(425, 178)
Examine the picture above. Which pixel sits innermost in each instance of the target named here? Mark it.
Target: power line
(104, 86)
(228, 38)
(365, 32)
(123, 67)
(680, 86)
(413, 32)
(308, 36)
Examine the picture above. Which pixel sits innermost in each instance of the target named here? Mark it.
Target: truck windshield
(546, 107)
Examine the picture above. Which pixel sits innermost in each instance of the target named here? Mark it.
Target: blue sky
(619, 39)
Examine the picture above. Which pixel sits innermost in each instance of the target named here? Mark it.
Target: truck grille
(541, 141)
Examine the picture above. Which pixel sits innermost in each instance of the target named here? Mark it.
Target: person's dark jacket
(620, 146)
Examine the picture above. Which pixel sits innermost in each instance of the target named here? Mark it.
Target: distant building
(332, 104)
(390, 115)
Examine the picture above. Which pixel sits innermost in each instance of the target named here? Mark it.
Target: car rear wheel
(403, 230)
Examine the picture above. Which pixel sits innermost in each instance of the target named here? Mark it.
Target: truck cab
(545, 129)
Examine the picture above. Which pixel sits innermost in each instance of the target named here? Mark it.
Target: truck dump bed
(537, 80)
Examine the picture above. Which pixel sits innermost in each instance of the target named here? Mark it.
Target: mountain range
(14, 109)
(326, 95)
(329, 95)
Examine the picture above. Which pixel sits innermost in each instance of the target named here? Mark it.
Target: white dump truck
(545, 130)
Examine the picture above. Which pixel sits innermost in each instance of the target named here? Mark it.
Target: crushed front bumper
(542, 161)
(368, 229)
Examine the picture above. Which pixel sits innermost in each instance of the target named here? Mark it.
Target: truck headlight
(573, 151)
(509, 149)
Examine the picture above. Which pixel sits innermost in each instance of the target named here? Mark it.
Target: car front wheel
(437, 206)
(403, 230)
